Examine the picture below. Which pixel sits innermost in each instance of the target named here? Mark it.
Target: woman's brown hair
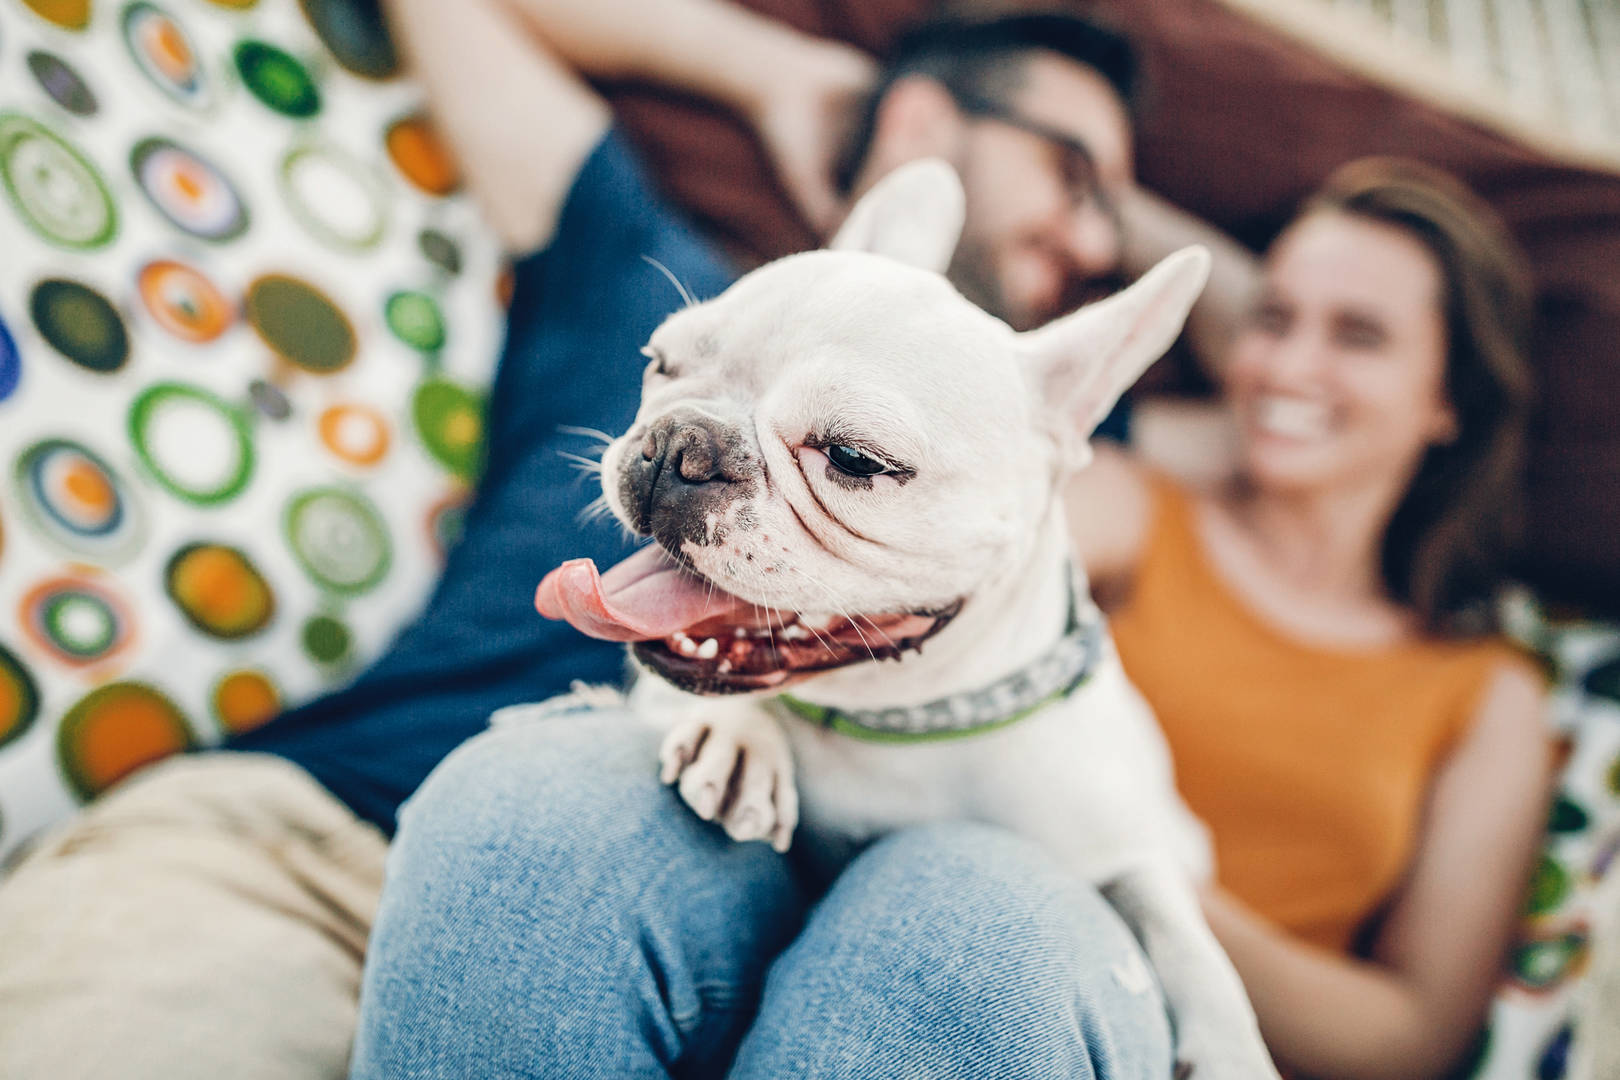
(1448, 543)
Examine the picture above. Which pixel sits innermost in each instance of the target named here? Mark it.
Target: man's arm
(506, 80)
(1193, 441)
(518, 120)
(1153, 229)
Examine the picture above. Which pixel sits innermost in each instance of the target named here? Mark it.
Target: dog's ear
(1083, 362)
(914, 214)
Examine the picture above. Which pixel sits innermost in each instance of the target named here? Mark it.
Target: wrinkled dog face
(836, 432)
(843, 444)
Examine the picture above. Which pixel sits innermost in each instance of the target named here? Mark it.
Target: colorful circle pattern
(164, 52)
(301, 324)
(353, 32)
(78, 620)
(184, 302)
(10, 362)
(419, 155)
(333, 197)
(187, 190)
(199, 521)
(113, 731)
(68, 14)
(76, 499)
(339, 539)
(81, 324)
(220, 591)
(62, 83)
(326, 640)
(277, 79)
(54, 188)
(447, 520)
(269, 400)
(439, 249)
(244, 700)
(450, 421)
(415, 320)
(197, 446)
(19, 697)
(358, 434)
(1546, 961)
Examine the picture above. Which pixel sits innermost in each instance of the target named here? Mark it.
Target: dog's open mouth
(708, 641)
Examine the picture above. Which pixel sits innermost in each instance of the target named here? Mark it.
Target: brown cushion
(1242, 123)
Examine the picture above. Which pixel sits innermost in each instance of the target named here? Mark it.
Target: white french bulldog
(851, 474)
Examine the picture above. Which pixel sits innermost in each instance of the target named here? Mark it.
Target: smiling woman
(1441, 299)
(1313, 631)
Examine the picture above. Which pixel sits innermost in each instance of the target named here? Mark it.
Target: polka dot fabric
(247, 323)
(1575, 890)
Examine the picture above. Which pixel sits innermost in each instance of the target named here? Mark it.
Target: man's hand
(804, 120)
(477, 57)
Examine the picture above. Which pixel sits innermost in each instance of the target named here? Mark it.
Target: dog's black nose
(689, 467)
(688, 450)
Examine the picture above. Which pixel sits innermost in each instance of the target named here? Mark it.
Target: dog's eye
(852, 461)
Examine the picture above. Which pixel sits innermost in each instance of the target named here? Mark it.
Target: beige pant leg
(206, 919)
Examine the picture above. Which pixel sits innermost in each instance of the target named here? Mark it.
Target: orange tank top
(1310, 766)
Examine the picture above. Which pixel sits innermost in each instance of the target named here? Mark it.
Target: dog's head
(838, 451)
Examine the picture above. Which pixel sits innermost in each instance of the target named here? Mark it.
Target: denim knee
(982, 908)
(549, 900)
(978, 954)
(537, 790)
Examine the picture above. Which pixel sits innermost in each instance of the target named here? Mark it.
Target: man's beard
(973, 272)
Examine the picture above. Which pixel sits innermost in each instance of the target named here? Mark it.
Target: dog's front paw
(737, 771)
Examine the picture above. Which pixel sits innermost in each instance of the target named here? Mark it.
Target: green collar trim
(1055, 675)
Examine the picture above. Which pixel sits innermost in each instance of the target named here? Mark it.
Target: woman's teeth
(1290, 417)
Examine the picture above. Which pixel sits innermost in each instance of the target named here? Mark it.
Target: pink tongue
(643, 598)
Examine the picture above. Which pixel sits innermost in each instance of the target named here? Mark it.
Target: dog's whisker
(595, 510)
(587, 432)
(823, 642)
(838, 609)
(673, 280)
(584, 463)
(771, 615)
(867, 645)
(843, 612)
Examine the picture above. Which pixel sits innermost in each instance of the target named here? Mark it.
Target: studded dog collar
(1053, 676)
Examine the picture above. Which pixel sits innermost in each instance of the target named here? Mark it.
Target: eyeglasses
(1079, 167)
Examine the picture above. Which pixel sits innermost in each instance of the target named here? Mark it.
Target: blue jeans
(553, 911)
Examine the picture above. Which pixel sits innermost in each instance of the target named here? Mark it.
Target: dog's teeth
(725, 667)
(740, 632)
(709, 649)
(683, 644)
(795, 632)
